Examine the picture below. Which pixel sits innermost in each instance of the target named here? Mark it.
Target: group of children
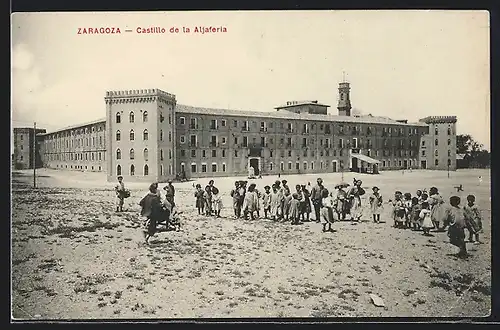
(208, 200)
(428, 211)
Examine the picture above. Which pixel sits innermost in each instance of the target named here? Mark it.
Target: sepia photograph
(250, 164)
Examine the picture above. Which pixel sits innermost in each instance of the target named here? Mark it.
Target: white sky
(401, 64)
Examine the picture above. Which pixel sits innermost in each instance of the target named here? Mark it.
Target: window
(223, 124)
(118, 118)
(449, 141)
(312, 165)
(449, 131)
(236, 153)
(22, 147)
(289, 165)
(423, 153)
(436, 153)
(193, 140)
(161, 154)
(169, 136)
(193, 152)
(270, 166)
(118, 170)
(436, 131)
(213, 124)
(235, 123)
(223, 167)
(449, 162)
(146, 154)
(132, 135)
(282, 166)
(203, 153)
(223, 140)
(192, 123)
(449, 153)
(297, 165)
(146, 169)
(214, 167)
(132, 169)
(436, 162)
(131, 117)
(145, 135)
(214, 153)
(161, 135)
(193, 168)
(132, 154)
(145, 120)
(223, 153)
(170, 153)
(436, 142)
(22, 137)
(118, 136)
(182, 139)
(183, 153)
(162, 170)
(182, 120)
(204, 168)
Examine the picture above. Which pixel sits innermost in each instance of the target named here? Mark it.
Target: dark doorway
(334, 167)
(254, 162)
(423, 164)
(405, 163)
(354, 167)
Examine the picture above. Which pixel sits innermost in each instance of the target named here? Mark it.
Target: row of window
(436, 142)
(436, 130)
(67, 156)
(436, 153)
(78, 131)
(79, 167)
(80, 142)
(145, 170)
(131, 117)
(306, 127)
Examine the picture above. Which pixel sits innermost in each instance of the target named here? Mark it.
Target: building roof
(290, 115)
(439, 119)
(97, 121)
(291, 104)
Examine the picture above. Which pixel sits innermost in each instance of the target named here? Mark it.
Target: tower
(344, 105)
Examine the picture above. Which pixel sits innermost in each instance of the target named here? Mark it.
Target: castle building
(148, 136)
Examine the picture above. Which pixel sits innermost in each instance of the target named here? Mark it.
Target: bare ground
(74, 258)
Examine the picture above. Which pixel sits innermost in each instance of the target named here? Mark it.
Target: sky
(400, 64)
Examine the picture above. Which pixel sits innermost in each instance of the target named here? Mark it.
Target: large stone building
(22, 156)
(147, 136)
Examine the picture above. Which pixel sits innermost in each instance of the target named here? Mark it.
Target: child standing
(473, 219)
(266, 201)
(200, 202)
(407, 206)
(293, 211)
(235, 194)
(286, 204)
(398, 211)
(455, 219)
(305, 204)
(327, 210)
(376, 204)
(415, 213)
(207, 197)
(250, 203)
(425, 217)
(275, 203)
(216, 202)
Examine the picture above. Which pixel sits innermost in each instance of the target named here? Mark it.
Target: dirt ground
(73, 257)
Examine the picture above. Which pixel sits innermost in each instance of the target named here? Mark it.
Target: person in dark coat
(152, 210)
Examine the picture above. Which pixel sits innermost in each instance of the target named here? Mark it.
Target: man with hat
(376, 204)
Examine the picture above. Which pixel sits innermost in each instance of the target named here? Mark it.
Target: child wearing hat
(455, 219)
(200, 201)
(473, 219)
(376, 204)
(216, 202)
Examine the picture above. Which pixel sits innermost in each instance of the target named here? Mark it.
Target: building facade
(438, 149)
(147, 136)
(23, 155)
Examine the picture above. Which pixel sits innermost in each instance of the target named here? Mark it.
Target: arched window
(132, 135)
(436, 131)
(145, 116)
(436, 162)
(118, 154)
(449, 141)
(146, 154)
(436, 153)
(436, 142)
(132, 169)
(132, 154)
(449, 153)
(118, 118)
(449, 162)
(449, 131)
(118, 170)
(145, 135)
(146, 169)
(118, 135)
(131, 117)
(162, 172)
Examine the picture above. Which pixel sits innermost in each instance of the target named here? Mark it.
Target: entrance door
(334, 166)
(254, 162)
(405, 163)
(354, 164)
(423, 164)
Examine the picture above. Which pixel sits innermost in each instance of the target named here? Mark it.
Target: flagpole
(34, 155)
